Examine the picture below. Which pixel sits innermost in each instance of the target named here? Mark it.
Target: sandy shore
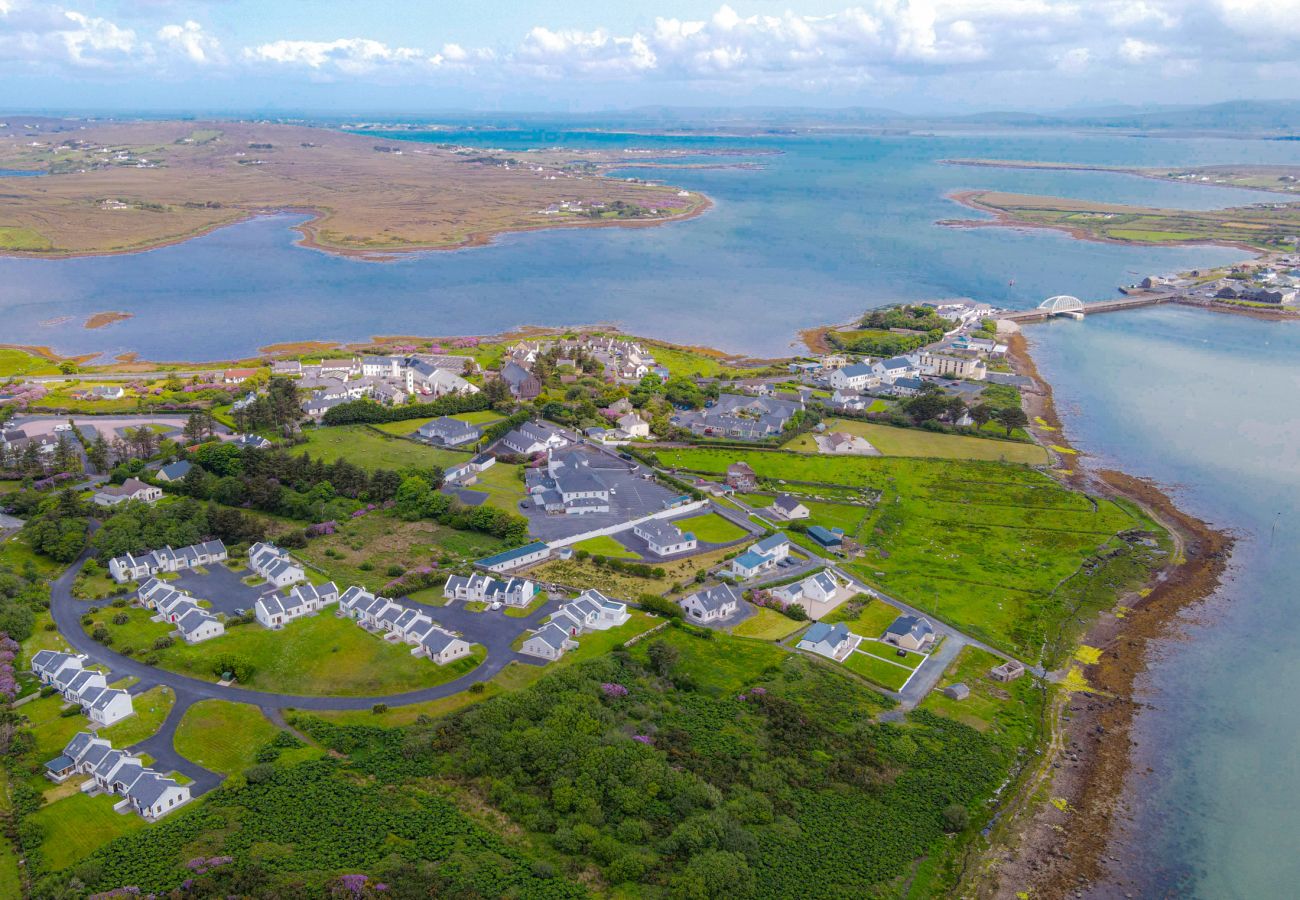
(1053, 849)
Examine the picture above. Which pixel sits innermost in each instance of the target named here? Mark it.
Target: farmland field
(893, 441)
(983, 545)
(363, 446)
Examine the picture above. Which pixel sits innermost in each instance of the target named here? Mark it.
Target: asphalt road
(67, 610)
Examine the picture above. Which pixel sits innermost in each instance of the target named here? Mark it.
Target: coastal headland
(122, 187)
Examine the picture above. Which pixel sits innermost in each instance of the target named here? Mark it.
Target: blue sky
(578, 55)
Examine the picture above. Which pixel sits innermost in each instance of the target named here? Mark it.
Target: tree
(955, 818)
(663, 657)
(1011, 418)
(981, 414)
(98, 453)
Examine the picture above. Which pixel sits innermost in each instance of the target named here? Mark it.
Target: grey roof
(658, 531)
(857, 369)
(713, 599)
(59, 763)
(192, 620)
(80, 741)
(917, 626)
(898, 362)
(821, 633)
(95, 753)
(148, 788)
(175, 470)
(786, 502)
(448, 428)
(769, 543)
(552, 635)
(437, 641)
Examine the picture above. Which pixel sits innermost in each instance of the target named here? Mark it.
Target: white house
(104, 706)
(857, 377)
(315, 596)
(274, 565)
(153, 796)
(534, 437)
(761, 556)
(549, 642)
(70, 761)
(789, 508)
(819, 588)
(441, 646)
(634, 425)
(664, 538)
(199, 625)
(910, 633)
(129, 567)
(352, 599)
(47, 664)
(514, 559)
(486, 589)
(131, 489)
(72, 688)
(713, 604)
(833, 641)
(591, 611)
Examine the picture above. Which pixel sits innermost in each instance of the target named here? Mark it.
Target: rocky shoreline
(1054, 842)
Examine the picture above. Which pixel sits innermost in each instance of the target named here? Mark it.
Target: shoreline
(1003, 219)
(1057, 848)
(1136, 171)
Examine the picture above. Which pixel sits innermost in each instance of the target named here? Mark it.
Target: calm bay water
(831, 226)
(1205, 403)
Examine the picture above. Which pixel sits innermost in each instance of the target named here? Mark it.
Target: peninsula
(118, 187)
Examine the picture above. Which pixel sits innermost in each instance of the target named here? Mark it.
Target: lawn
(877, 670)
(711, 528)
(405, 715)
(316, 655)
(223, 736)
(504, 485)
(767, 625)
(151, 708)
(363, 446)
(846, 516)
(893, 441)
(364, 549)
(869, 619)
(78, 825)
(16, 553)
(604, 545)
(889, 652)
(17, 363)
(51, 730)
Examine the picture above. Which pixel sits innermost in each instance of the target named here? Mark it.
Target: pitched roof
(508, 555)
(552, 635)
(715, 598)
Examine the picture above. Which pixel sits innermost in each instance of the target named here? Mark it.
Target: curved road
(67, 610)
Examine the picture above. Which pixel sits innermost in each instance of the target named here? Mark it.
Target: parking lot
(223, 587)
(631, 497)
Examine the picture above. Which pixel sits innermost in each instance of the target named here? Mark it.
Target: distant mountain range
(1279, 117)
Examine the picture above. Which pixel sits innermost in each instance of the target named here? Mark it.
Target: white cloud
(348, 56)
(1074, 60)
(190, 41)
(1134, 51)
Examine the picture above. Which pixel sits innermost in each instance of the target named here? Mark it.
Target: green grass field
(877, 670)
(365, 447)
(767, 625)
(78, 825)
(504, 486)
(223, 736)
(604, 545)
(1003, 709)
(319, 654)
(16, 363)
(869, 620)
(983, 545)
(711, 528)
(891, 653)
(151, 708)
(14, 237)
(893, 441)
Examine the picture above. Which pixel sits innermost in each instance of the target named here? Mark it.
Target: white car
(62, 426)
(496, 604)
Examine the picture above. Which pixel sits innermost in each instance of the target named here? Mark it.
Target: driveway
(223, 587)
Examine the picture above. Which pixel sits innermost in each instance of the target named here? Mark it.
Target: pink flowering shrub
(613, 690)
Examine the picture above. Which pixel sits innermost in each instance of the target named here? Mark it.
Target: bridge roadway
(1098, 306)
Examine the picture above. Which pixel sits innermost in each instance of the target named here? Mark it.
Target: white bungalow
(591, 611)
(441, 646)
(713, 604)
(549, 642)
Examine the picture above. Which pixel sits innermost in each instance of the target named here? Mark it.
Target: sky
(388, 56)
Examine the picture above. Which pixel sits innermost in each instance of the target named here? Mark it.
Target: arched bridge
(1062, 305)
(1065, 305)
